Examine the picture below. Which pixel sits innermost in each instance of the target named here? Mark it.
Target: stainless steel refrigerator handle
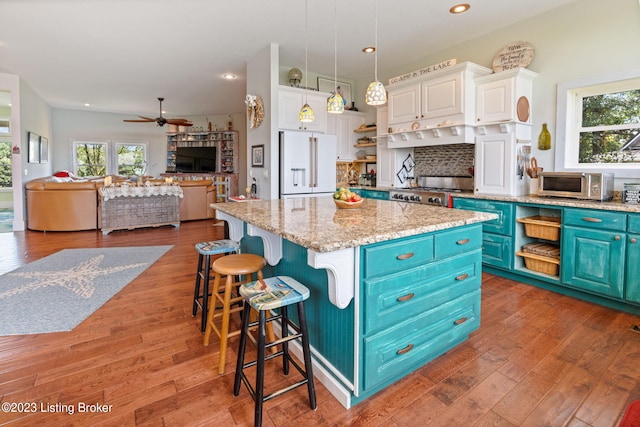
(314, 162)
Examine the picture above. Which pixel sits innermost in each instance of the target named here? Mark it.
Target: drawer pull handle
(406, 297)
(633, 240)
(462, 276)
(462, 242)
(616, 238)
(405, 256)
(460, 321)
(589, 219)
(405, 350)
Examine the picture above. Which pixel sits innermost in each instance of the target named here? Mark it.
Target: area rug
(58, 292)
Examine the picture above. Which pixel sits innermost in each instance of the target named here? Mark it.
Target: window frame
(118, 143)
(111, 155)
(569, 119)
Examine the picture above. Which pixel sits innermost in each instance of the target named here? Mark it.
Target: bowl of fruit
(346, 199)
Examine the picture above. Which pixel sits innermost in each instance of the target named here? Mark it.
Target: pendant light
(376, 93)
(306, 114)
(335, 103)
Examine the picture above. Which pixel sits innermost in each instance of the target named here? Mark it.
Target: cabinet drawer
(412, 343)
(597, 219)
(389, 300)
(386, 258)
(458, 240)
(633, 223)
(502, 225)
(497, 250)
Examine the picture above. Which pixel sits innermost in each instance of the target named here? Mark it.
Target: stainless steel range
(433, 190)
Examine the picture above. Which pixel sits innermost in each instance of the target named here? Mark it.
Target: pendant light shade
(376, 93)
(306, 114)
(335, 103)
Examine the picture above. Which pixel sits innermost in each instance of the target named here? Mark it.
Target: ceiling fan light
(335, 104)
(376, 94)
(306, 114)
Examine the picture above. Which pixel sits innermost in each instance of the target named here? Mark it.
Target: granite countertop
(316, 223)
(613, 205)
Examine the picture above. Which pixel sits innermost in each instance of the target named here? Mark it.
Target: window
(5, 164)
(599, 125)
(131, 158)
(90, 158)
(94, 158)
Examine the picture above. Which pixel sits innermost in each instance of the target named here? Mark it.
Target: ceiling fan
(161, 121)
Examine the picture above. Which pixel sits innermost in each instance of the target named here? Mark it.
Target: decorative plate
(513, 55)
(523, 109)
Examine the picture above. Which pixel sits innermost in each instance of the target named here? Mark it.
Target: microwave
(576, 185)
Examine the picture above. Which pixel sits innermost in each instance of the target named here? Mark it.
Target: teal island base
(411, 300)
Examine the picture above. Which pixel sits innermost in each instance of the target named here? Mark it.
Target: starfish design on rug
(78, 279)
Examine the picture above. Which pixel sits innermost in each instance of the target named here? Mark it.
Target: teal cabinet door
(593, 260)
(374, 194)
(632, 286)
(497, 250)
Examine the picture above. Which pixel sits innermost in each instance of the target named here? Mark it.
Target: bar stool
(230, 266)
(205, 251)
(262, 296)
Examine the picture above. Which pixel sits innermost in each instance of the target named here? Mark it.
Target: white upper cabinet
(443, 97)
(404, 104)
(291, 101)
(346, 123)
(504, 96)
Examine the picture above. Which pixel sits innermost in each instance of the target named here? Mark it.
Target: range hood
(440, 135)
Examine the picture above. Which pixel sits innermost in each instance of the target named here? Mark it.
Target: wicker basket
(541, 227)
(541, 264)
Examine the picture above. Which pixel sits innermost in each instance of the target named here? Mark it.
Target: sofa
(55, 204)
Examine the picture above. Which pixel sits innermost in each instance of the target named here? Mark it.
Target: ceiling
(120, 55)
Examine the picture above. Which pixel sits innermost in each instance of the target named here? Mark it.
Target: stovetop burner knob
(437, 200)
(406, 198)
(418, 199)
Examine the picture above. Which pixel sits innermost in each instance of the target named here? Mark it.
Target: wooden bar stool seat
(244, 266)
(264, 295)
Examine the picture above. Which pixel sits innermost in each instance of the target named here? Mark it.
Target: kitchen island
(393, 285)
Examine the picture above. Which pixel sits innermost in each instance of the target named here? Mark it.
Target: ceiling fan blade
(179, 122)
(139, 121)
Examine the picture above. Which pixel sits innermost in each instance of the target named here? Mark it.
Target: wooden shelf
(365, 161)
(368, 129)
(368, 144)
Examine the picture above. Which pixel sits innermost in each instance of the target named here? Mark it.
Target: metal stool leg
(241, 348)
(302, 320)
(259, 399)
(196, 296)
(284, 326)
(205, 293)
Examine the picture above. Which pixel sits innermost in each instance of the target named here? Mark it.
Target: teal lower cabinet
(497, 238)
(411, 315)
(374, 194)
(632, 282)
(599, 250)
(592, 260)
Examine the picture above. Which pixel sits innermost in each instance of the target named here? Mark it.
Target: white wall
(585, 38)
(72, 125)
(262, 79)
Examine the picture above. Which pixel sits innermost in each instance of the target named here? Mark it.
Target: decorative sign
(514, 55)
(421, 72)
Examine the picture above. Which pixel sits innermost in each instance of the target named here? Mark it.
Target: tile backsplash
(444, 160)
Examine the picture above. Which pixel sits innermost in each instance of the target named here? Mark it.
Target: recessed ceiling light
(86, 104)
(460, 8)
(229, 76)
(369, 49)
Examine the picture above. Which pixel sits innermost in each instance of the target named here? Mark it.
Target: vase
(544, 140)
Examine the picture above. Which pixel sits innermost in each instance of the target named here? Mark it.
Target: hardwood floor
(538, 359)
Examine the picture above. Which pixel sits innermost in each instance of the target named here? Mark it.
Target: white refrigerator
(307, 164)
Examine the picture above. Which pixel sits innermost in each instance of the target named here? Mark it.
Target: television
(196, 159)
